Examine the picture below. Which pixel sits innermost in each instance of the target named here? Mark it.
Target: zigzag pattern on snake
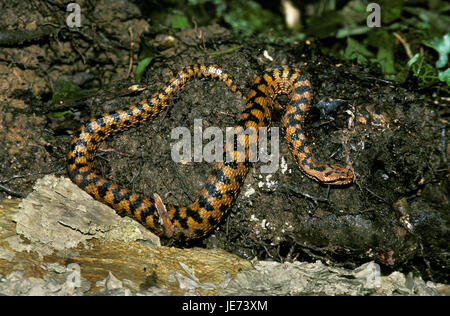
(223, 184)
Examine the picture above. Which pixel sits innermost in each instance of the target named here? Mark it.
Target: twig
(405, 44)
(308, 249)
(225, 51)
(11, 192)
(112, 150)
(17, 193)
(30, 174)
(133, 179)
(377, 79)
(295, 190)
(443, 141)
(130, 67)
(183, 184)
(374, 194)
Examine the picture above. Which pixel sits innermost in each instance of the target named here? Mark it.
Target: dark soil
(393, 137)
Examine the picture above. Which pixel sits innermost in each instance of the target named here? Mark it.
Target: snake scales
(223, 183)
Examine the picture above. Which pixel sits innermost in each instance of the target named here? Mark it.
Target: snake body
(224, 181)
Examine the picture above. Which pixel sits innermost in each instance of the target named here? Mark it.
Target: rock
(60, 215)
(59, 223)
(301, 278)
(110, 283)
(6, 254)
(54, 283)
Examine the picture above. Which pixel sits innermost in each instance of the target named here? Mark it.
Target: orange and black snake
(223, 183)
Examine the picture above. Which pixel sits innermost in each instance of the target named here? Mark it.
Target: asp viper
(223, 183)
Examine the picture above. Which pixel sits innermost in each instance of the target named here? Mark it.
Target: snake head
(337, 175)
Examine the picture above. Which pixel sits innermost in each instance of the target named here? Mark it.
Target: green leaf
(179, 22)
(344, 32)
(391, 10)
(56, 114)
(444, 76)
(442, 46)
(425, 73)
(325, 25)
(385, 58)
(413, 59)
(249, 17)
(355, 50)
(148, 53)
(431, 19)
(383, 41)
(141, 67)
(66, 90)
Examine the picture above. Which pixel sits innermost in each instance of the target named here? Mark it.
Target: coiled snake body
(223, 183)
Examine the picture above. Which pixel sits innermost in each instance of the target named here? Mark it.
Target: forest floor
(395, 213)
